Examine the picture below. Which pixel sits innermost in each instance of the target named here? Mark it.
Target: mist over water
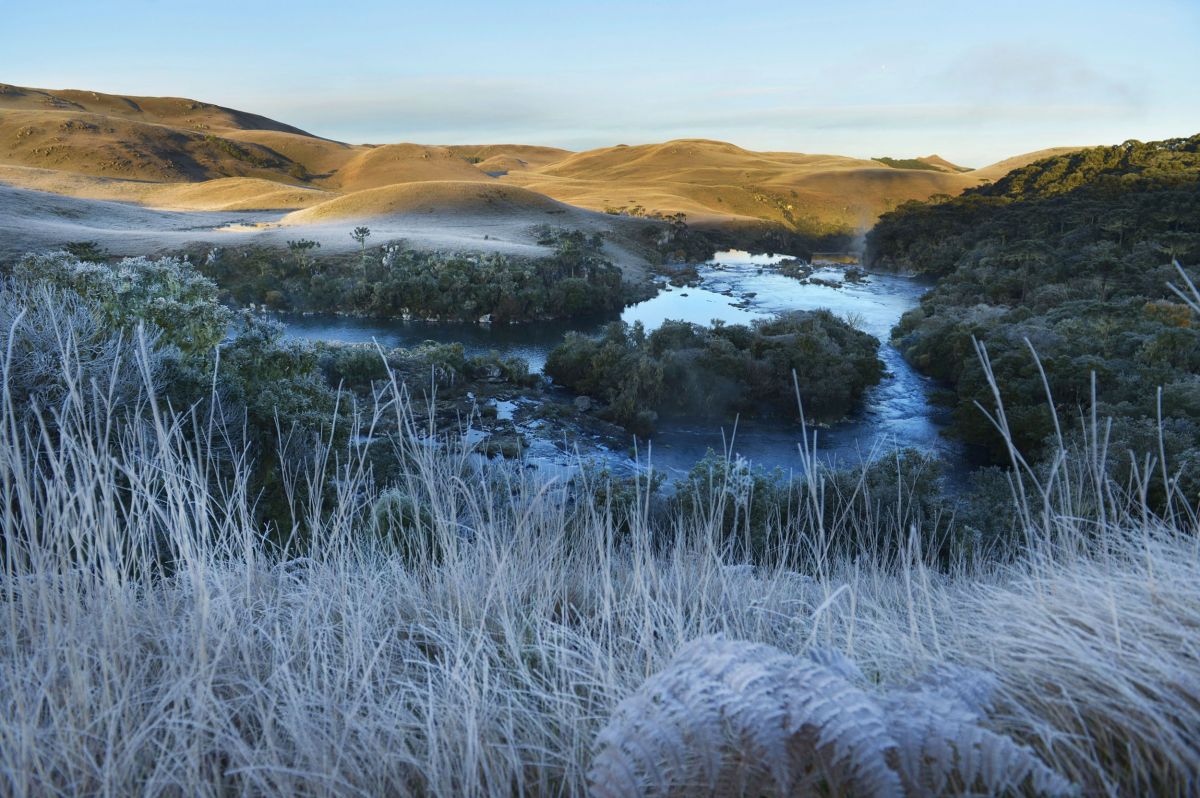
(736, 288)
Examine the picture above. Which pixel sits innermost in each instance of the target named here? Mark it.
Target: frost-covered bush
(733, 718)
(405, 523)
(166, 292)
(53, 340)
(747, 507)
(273, 382)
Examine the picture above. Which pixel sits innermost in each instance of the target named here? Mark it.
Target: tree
(301, 249)
(361, 234)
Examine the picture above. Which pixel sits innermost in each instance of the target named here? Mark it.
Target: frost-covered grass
(152, 640)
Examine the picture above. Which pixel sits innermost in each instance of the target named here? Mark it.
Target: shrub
(354, 367)
(765, 515)
(167, 293)
(749, 509)
(358, 367)
(54, 341)
(274, 381)
(720, 371)
(87, 250)
(619, 498)
(574, 281)
(408, 525)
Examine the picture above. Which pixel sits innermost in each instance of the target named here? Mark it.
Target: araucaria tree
(361, 234)
(301, 251)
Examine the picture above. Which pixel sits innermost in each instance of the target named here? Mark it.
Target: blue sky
(972, 81)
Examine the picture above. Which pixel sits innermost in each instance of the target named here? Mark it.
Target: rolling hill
(175, 112)
(425, 197)
(180, 154)
(714, 182)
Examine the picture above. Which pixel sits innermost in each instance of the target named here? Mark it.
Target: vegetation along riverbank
(1063, 270)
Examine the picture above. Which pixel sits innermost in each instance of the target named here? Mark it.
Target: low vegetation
(684, 369)
(453, 626)
(166, 293)
(758, 505)
(253, 155)
(392, 281)
(270, 394)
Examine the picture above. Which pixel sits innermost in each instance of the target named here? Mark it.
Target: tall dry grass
(155, 640)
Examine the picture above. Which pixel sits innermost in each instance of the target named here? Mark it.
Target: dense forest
(1072, 257)
(684, 369)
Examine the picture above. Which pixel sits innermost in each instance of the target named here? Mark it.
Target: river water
(736, 287)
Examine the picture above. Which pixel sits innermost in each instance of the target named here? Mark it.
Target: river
(735, 287)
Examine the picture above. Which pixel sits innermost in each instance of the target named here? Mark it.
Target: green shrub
(684, 369)
(618, 498)
(354, 367)
(87, 250)
(750, 509)
(406, 524)
(575, 281)
(758, 514)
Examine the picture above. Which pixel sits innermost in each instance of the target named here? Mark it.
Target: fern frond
(733, 718)
(971, 689)
(730, 718)
(837, 662)
(942, 750)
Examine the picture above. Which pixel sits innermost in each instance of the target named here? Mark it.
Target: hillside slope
(126, 148)
(431, 196)
(715, 182)
(171, 111)
(1001, 168)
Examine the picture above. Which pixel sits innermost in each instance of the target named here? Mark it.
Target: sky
(970, 80)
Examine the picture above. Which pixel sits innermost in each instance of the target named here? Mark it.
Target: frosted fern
(730, 718)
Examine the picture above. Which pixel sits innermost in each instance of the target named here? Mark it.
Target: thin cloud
(1025, 74)
(981, 114)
